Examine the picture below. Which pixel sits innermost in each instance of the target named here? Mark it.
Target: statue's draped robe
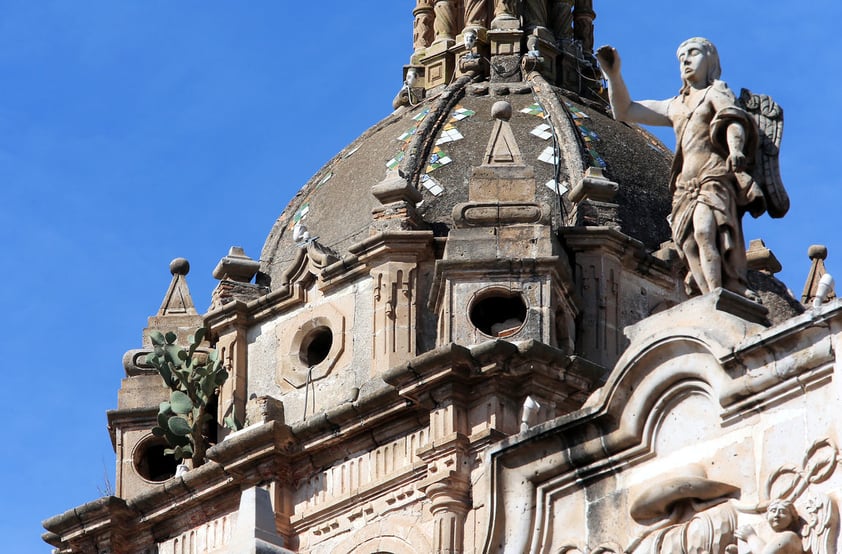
(700, 131)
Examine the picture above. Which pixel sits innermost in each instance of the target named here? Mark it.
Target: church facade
(469, 332)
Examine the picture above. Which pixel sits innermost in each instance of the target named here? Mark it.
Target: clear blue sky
(133, 132)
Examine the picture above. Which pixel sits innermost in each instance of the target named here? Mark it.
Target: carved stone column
(445, 22)
(449, 506)
(534, 14)
(583, 16)
(561, 19)
(505, 15)
(423, 32)
(476, 14)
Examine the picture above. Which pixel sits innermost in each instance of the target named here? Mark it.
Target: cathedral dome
(435, 143)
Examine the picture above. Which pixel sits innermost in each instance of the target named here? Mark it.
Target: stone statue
(782, 519)
(716, 146)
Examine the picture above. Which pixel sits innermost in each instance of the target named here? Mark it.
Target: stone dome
(436, 143)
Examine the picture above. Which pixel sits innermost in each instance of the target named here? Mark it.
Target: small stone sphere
(180, 266)
(817, 252)
(501, 110)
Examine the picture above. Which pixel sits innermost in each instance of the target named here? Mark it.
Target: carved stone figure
(684, 512)
(782, 519)
(716, 142)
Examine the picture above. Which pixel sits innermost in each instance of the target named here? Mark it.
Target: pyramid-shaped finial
(818, 254)
(502, 148)
(177, 301)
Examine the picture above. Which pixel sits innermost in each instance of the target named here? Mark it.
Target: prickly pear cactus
(193, 377)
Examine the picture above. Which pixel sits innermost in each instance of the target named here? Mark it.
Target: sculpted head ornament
(714, 69)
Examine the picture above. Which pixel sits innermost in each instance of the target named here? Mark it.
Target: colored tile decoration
(393, 163)
(535, 109)
(588, 135)
(560, 189)
(449, 134)
(431, 185)
(548, 156)
(542, 131)
(422, 114)
(460, 113)
(301, 213)
(654, 143)
(408, 134)
(324, 179)
(437, 159)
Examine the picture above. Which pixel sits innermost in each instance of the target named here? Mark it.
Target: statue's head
(781, 515)
(699, 61)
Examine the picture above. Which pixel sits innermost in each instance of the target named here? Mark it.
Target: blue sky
(133, 132)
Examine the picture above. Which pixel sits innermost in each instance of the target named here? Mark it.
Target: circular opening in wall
(316, 346)
(151, 463)
(498, 313)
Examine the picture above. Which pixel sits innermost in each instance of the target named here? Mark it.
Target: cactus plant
(193, 377)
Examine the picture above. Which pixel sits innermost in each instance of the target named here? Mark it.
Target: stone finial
(760, 258)
(502, 148)
(177, 313)
(818, 254)
(236, 266)
(397, 199)
(501, 110)
(178, 301)
(179, 266)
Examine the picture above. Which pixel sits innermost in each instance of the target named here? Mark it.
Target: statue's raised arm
(720, 171)
(648, 112)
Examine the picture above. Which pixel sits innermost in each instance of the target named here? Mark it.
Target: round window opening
(316, 346)
(498, 314)
(151, 463)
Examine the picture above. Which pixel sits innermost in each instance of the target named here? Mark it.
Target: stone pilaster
(449, 505)
(395, 313)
